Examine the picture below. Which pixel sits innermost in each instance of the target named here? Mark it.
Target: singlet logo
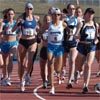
(29, 23)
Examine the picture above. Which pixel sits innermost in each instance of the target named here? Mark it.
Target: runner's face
(79, 12)
(71, 10)
(29, 10)
(48, 19)
(11, 14)
(89, 16)
(56, 16)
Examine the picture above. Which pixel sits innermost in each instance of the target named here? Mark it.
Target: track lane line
(36, 94)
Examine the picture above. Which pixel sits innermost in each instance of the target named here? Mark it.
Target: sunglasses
(58, 14)
(10, 14)
(29, 8)
(72, 8)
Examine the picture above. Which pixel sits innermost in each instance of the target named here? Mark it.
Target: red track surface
(12, 92)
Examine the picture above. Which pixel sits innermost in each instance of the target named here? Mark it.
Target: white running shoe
(81, 73)
(8, 82)
(73, 79)
(22, 86)
(58, 80)
(52, 91)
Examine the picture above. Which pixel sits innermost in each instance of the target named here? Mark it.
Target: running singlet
(72, 23)
(55, 34)
(9, 27)
(29, 27)
(89, 31)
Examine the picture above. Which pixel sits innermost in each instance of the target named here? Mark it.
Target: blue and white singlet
(90, 31)
(9, 28)
(72, 23)
(55, 34)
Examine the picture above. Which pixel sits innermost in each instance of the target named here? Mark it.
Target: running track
(35, 92)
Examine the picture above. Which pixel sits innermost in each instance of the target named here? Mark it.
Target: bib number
(9, 32)
(28, 32)
(55, 38)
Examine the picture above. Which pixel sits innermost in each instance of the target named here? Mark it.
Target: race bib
(90, 33)
(56, 37)
(9, 32)
(30, 32)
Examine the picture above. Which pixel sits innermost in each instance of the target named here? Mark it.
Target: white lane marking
(36, 94)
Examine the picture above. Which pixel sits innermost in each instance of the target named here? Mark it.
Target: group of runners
(67, 36)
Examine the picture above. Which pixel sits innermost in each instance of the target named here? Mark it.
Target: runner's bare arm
(97, 34)
(64, 25)
(18, 24)
(1, 27)
(77, 36)
(44, 27)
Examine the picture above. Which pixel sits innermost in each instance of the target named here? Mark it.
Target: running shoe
(48, 83)
(8, 81)
(22, 86)
(45, 84)
(81, 73)
(58, 80)
(69, 86)
(73, 79)
(63, 74)
(5, 82)
(85, 90)
(52, 91)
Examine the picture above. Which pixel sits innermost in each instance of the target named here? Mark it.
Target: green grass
(39, 8)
